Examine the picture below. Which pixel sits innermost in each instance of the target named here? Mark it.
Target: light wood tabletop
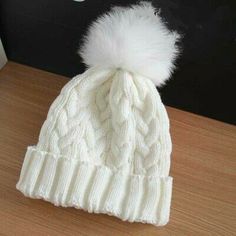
(203, 167)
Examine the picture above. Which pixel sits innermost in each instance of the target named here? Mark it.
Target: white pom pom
(134, 39)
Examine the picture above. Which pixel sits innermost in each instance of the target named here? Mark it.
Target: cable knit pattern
(123, 124)
(71, 128)
(105, 145)
(91, 117)
(105, 148)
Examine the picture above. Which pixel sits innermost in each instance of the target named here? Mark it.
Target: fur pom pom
(134, 39)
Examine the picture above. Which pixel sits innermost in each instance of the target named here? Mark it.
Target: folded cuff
(72, 183)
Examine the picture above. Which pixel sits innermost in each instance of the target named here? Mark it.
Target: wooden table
(203, 167)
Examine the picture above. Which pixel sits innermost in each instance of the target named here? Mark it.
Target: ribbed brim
(97, 189)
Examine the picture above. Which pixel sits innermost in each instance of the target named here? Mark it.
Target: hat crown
(112, 118)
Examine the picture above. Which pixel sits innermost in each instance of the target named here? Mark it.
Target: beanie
(105, 145)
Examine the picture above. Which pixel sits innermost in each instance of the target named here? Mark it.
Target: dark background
(47, 33)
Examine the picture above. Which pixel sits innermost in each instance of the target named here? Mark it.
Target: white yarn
(120, 113)
(109, 130)
(123, 124)
(105, 148)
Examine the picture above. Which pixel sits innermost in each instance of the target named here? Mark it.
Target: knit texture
(104, 147)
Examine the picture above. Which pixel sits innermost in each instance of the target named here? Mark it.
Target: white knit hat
(105, 145)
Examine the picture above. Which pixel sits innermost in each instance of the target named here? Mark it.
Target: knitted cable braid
(105, 145)
(136, 133)
(71, 122)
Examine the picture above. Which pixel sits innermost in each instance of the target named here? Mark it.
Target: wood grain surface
(203, 167)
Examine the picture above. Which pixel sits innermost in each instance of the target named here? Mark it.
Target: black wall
(46, 34)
